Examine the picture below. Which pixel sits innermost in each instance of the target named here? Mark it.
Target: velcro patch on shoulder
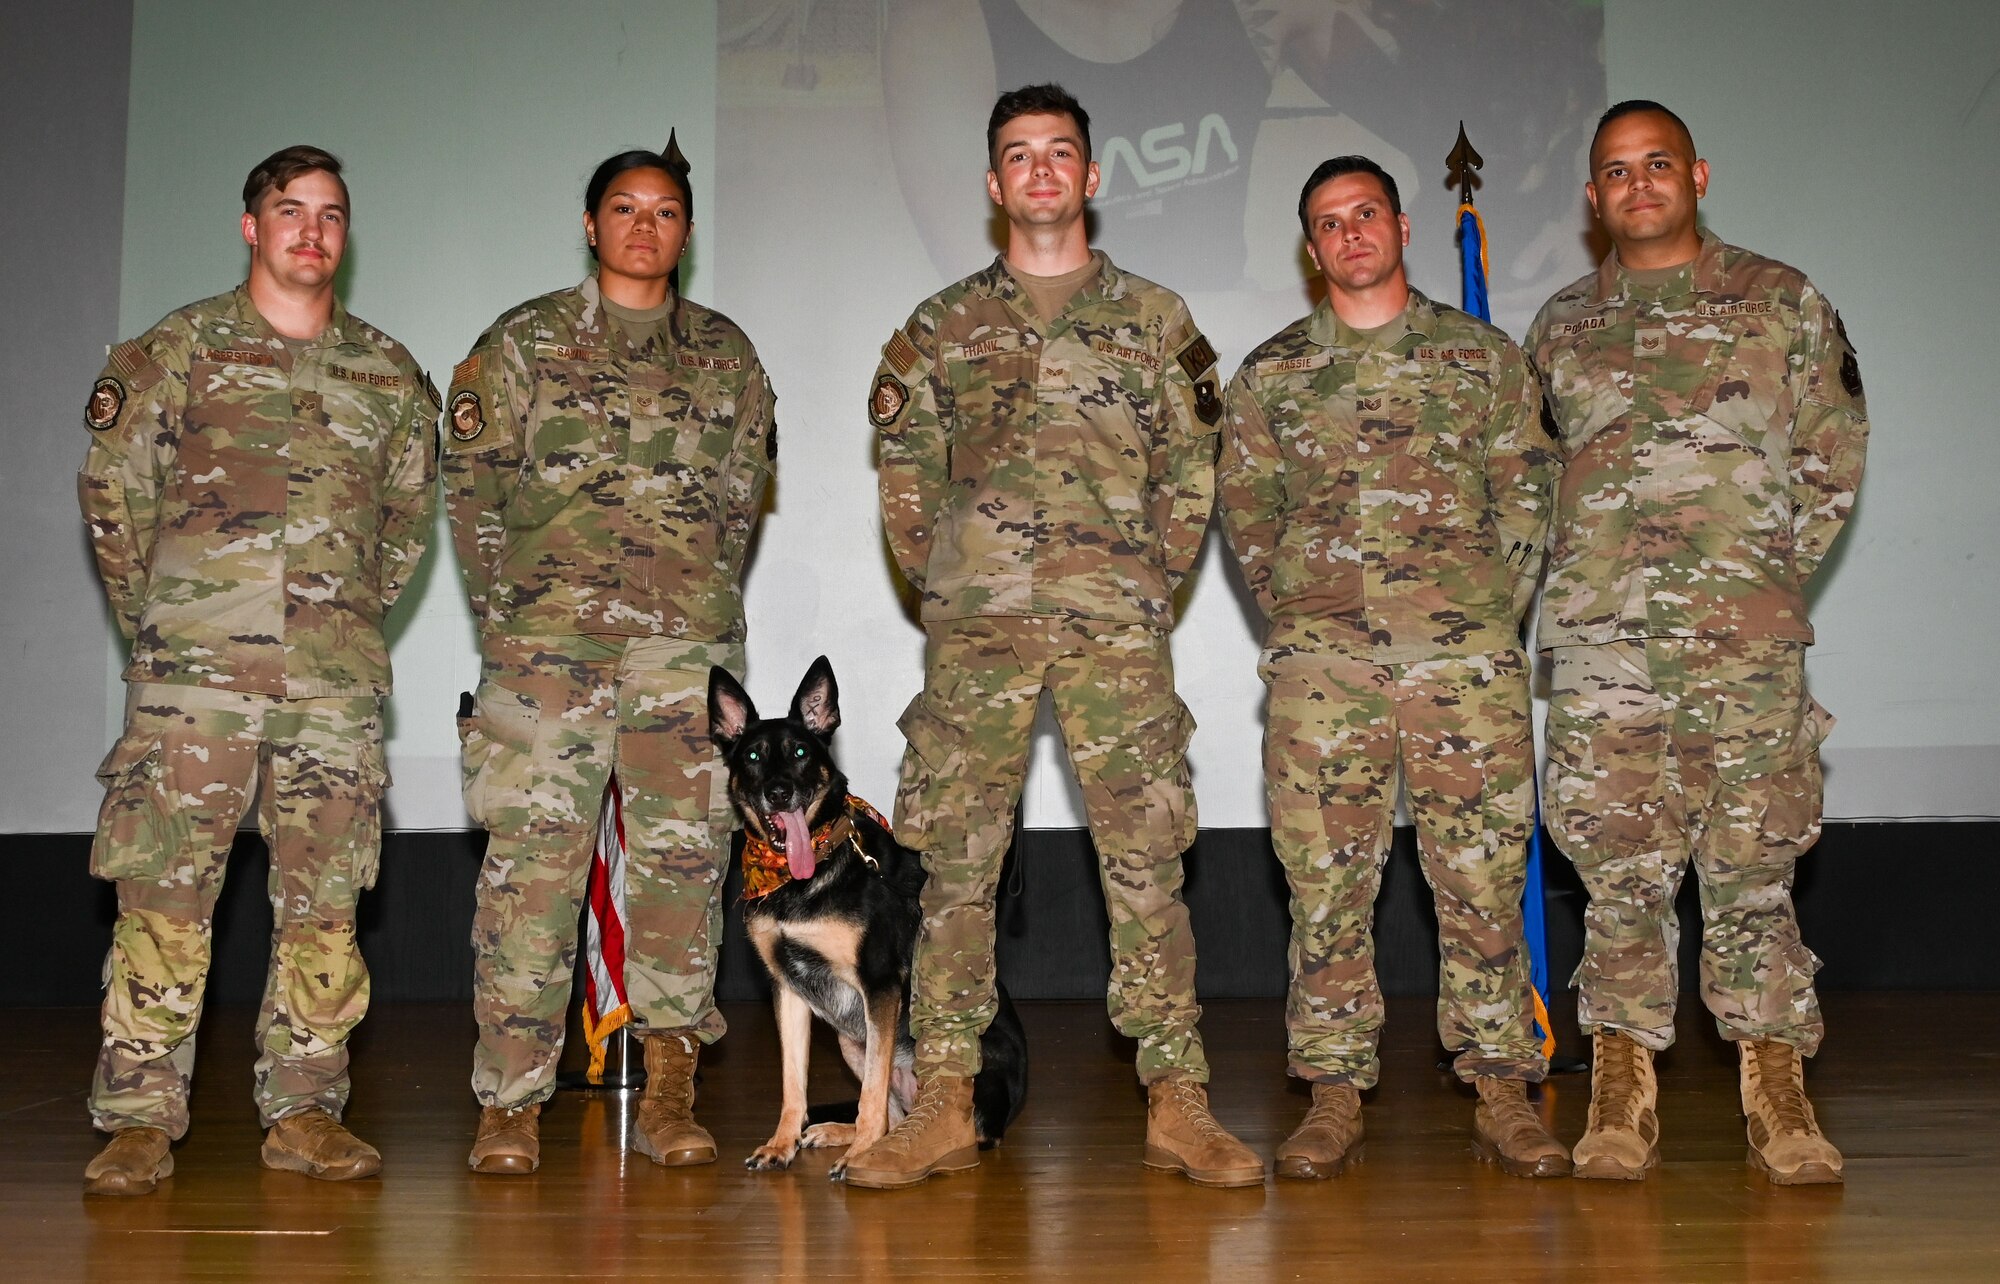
(236, 356)
(886, 402)
(465, 371)
(107, 402)
(901, 354)
(1197, 356)
(129, 358)
(367, 378)
(468, 417)
(431, 391)
(701, 361)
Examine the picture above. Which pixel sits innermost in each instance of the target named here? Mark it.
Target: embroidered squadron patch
(468, 418)
(107, 402)
(887, 401)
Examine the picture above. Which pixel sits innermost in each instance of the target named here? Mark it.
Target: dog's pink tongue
(798, 843)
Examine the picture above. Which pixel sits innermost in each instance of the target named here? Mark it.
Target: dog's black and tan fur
(837, 939)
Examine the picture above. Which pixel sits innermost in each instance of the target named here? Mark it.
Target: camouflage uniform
(1045, 485)
(255, 506)
(1713, 424)
(602, 490)
(1387, 495)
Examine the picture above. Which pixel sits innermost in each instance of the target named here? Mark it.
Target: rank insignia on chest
(886, 402)
(468, 418)
(107, 402)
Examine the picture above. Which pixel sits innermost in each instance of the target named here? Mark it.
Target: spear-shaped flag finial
(1464, 159)
(676, 159)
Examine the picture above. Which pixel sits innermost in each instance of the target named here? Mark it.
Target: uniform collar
(1612, 287)
(1328, 331)
(340, 328)
(998, 282)
(591, 316)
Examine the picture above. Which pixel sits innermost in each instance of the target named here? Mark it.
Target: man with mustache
(258, 492)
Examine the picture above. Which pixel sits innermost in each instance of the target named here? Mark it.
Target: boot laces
(1329, 1110)
(931, 1102)
(1615, 1089)
(1784, 1093)
(1194, 1108)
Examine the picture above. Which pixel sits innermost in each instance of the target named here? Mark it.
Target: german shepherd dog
(838, 929)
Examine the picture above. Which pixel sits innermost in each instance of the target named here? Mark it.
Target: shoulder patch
(107, 402)
(771, 444)
(129, 358)
(431, 391)
(468, 417)
(901, 354)
(1196, 357)
(886, 402)
(466, 371)
(1206, 404)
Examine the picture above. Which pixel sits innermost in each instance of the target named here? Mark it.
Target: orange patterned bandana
(766, 869)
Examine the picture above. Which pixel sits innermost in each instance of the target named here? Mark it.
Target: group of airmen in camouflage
(1680, 442)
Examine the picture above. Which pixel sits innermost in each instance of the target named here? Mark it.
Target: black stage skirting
(1889, 906)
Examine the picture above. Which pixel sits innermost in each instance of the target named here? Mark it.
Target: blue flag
(1534, 915)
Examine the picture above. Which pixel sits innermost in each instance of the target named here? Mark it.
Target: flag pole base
(624, 1067)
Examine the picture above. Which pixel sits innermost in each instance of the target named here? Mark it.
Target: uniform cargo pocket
(1768, 744)
(934, 758)
(497, 746)
(139, 831)
(1150, 775)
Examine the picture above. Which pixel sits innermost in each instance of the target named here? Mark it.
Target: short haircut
(1036, 100)
(1340, 167)
(275, 172)
(1640, 107)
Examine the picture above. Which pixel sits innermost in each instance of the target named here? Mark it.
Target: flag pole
(1474, 266)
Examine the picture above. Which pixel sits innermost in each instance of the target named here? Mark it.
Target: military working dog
(831, 907)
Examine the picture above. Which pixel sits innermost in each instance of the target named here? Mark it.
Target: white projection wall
(838, 173)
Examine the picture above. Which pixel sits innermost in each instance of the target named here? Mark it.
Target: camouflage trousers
(555, 718)
(186, 771)
(1340, 732)
(1670, 751)
(1127, 732)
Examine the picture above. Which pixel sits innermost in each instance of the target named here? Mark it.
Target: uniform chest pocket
(1590, 392)
(357, 407)
(682, 421)
(998, 368)
(238, 413)
(566, 427)
(1746, 391)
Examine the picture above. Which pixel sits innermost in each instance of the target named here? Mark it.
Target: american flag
(604, 1007)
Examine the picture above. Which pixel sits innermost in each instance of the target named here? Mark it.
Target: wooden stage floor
(1910, 1089)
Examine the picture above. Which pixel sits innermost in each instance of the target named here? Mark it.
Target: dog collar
(765, 869)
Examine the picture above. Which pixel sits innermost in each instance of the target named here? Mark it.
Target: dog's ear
(817, 703)
(730, 712)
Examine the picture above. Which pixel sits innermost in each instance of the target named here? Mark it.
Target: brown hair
(275, 172)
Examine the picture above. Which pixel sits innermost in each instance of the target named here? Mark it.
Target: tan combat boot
(1183, 1137)
(666, 1132)
(314, 1143)
(935, 1138)
(1622, 1139)
(131, 1163)
(1507, 1131)
(1328, 1139)
(1786, 1144)
(509, 1142)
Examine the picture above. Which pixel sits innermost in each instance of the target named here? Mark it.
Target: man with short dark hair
(1047, 438)
(1385, 484)
(1710, 409)
(258, 491)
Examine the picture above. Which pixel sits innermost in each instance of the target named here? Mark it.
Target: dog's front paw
(771, 1157)
(828, 1134)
